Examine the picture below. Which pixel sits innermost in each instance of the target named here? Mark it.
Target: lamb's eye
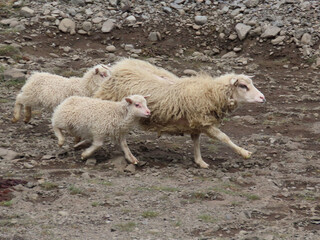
(137, 105)
(243, 86)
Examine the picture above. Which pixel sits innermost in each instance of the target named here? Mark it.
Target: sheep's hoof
(203, 164)
(246, 154)
(14, 120)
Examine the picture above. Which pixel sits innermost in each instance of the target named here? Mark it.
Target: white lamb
(91, 118)
(49, 90)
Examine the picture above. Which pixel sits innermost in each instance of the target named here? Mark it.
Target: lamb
(192, 105)
(49, 90)
(91, 118)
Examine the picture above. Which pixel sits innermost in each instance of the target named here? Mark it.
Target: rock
(131, 19)
(8, 21)
(128, 47)
(85, 175)
(119, 163)
(18, 4)
(154, 36)
(78, 2)
(306, 39)
(130, 168)
(63, 213)
(251, 3)
(97, 20)
(27, 12)
(111, 48)
(306, 5)
(87, 26)
(91, 162)
(242, 30)
(14, 74)
(190, 72)
(113, 3)
(28, 165)
(47, 157)
(278, 40)
(8, 155)
(108, 26)
(200, 20)
(167, 9)
(270, 32)
(231, 54)
(67, 25)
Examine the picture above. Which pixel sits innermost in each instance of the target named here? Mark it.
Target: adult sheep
(49, 90)
(192, 105)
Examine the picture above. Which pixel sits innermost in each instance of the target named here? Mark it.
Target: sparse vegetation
(48, 185)
(150, 214)
(158, 188)
(10, 51)
(206, 218)
(74, 190)
(6, 203)
(126, 227)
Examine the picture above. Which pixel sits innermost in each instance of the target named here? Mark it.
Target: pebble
(270, 32)
(91, 162)
(8, 155)
(200, 20)
(108, 26)
(67, 25)
(27, 12)
(111, 48)
(154, 36)
(242, 30)
(63, 213)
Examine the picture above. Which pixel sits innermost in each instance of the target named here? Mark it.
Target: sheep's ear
(128, 100)
(234, 81)
(147, 96)
(97, 70)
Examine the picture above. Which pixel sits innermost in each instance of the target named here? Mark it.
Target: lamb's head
(244, 90)
(102, 70)
(137, 105)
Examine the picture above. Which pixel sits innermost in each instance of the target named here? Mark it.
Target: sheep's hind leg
(96, 144)
(127, 153)
(58, 133)
(215, 132)
(197, 153)
(27, 114)
(16, 112)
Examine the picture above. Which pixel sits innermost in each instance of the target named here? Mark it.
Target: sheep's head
(102, 70)
(138, 105)
(244, 90)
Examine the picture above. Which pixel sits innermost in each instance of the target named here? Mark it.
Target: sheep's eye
(243, 86)
(137, 105)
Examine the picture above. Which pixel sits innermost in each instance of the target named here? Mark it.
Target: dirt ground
(50, 193)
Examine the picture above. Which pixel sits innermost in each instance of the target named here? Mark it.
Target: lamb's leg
(215, 132)
(96, 144)
(16, 112)
(127, 153)
(197, 153)
(79, 144)
(58, 133)
(27, 114)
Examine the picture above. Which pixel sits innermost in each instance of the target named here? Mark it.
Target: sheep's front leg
(127, 153)
(16, 112)
(197, 154)
(96, 144)
(214, 132)
(27, 114)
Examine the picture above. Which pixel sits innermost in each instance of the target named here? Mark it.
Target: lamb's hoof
(13, 120)
(134, 161)
(26, 121)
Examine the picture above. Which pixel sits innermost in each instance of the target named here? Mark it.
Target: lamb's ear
(97, 70)
(129, 100)
(147, 96)
(234, 81)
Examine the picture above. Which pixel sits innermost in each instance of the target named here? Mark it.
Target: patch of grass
(95, 204)
(5, 223)
(207, 218)
(14, 83)
(3, 100)
(214, 148)
(126, 227)
(10, 51)
(158, 188)
(6, 203)
(308, 196)
(48, 185)
(74, 190)
(178, 223)
(251, 197)
(149, 214)
(311, 60)
(236, 203)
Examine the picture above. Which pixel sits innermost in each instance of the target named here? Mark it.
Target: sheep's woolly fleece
(201, 101)
(89, 117)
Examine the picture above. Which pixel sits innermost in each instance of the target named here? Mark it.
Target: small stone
(108, 26)
(97, 20)
(91, 162)
(190, 72)
(8, 21)
(306, 39)
(28, 165)
(131, 19)
(119, 163)
(278, 40)
(7, 154)
(47, 157)
(242, 30)
(231, 54)
(82, 32)
(252, 3)
(17, 74)
(111, 48)
(130, 168)
(200, 20)
(87, 26)
(67, 25)
(85, 175)
(154, 36)
(27, 12)
(270, 32)
(167, 9)
(63, 213)
(128, 47)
